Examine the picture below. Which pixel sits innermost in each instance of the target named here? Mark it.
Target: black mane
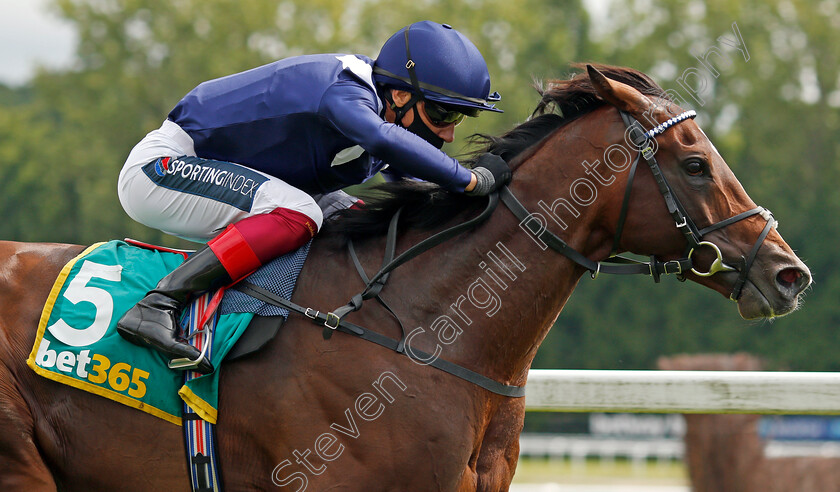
(427, 206)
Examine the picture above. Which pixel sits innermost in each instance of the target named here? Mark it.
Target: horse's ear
(617, 93)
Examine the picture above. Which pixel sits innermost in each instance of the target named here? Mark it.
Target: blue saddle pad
(278, 276)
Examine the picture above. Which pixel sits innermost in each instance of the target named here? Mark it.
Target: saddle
(259, 332)
(263, 327)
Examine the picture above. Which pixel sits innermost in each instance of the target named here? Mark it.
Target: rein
(333, 321)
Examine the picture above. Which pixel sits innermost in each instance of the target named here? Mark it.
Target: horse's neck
(508, 292)
(498, 286)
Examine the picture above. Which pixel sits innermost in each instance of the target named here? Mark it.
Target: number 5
(78, 291)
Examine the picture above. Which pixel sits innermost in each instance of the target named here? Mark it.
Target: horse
(724, 453)
(306, 413)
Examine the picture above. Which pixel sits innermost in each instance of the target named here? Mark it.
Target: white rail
(816, 393)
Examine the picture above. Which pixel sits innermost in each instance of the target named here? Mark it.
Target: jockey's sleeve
(392, 174)
(350, 108)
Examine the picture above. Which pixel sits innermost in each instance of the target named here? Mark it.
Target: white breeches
(165, 186)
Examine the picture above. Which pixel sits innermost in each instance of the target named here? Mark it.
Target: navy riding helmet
(436, 62)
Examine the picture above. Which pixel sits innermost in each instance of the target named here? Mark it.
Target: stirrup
(187, 364)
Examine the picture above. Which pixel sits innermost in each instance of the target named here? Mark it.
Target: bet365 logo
(83, 364)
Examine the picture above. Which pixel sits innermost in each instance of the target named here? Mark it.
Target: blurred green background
(775, 117)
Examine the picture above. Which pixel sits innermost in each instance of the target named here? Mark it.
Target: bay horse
(725, 453)
(306, 413)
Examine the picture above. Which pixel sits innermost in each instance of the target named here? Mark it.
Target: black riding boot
(153, 321)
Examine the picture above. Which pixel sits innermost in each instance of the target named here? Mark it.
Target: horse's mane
(426, 205)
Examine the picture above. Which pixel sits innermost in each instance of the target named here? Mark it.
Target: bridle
(693, 235)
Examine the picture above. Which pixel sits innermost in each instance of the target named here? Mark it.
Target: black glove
(491, 173)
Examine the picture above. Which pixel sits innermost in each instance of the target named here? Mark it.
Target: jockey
(239, 159)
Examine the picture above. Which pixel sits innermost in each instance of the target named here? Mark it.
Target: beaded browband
(658, 129)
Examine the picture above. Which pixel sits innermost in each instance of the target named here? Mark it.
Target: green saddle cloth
(77, 342)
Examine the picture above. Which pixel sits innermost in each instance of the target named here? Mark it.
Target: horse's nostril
(793, 279)
(789, 276)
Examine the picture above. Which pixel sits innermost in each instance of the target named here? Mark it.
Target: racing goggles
(441, 115)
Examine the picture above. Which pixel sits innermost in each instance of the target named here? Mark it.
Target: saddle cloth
(77, 342)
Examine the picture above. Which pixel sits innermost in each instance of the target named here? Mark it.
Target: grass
(600, 472)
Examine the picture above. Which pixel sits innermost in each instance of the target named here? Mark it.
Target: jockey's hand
(491, 172)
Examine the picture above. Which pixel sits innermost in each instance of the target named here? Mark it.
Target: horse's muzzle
(776, 292)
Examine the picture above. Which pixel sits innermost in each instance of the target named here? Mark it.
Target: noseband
(694, 236)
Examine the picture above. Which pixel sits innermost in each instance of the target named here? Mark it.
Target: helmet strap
(416, 94)
(409, 65)
(417, 127)
(400, 111)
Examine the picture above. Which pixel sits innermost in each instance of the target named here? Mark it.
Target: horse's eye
(694, 168)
